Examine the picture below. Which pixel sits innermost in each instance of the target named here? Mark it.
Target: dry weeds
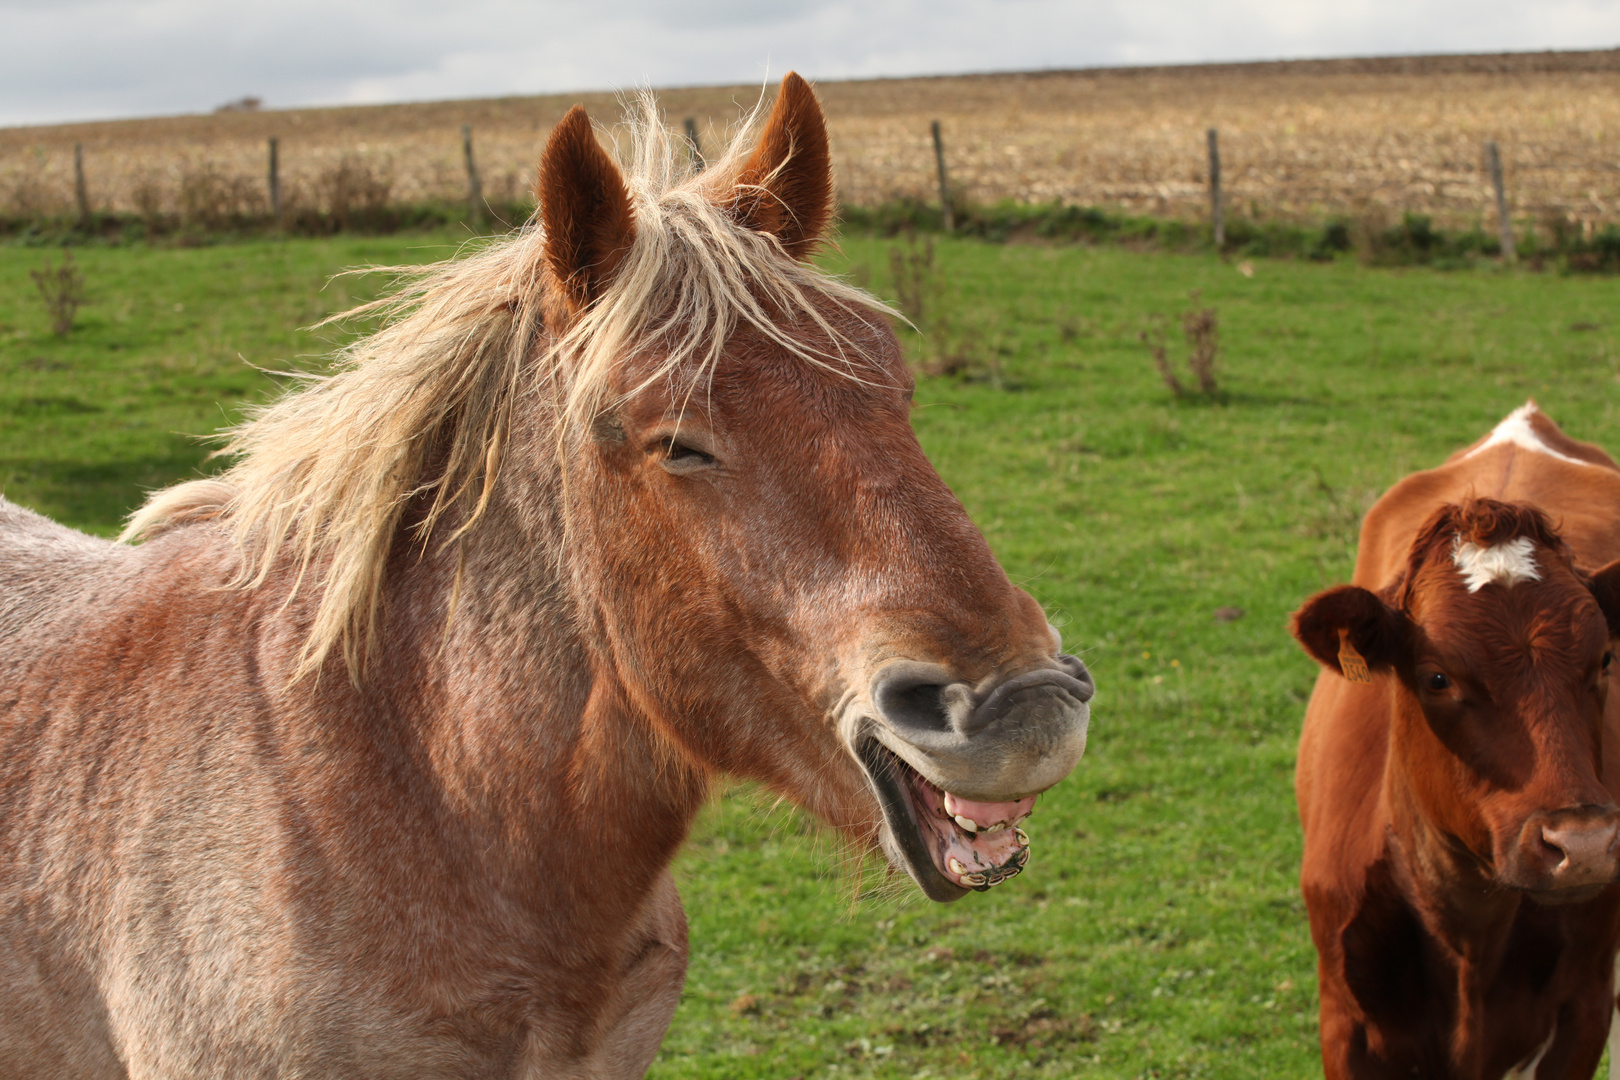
(62, 290)
(1299, 140)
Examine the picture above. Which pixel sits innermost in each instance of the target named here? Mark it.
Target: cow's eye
(1437, 681)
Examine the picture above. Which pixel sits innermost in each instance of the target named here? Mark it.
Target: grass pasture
(1158, 931)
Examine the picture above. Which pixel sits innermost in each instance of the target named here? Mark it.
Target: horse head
(784, 586)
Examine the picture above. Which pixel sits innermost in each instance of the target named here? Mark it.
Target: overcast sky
(92, 59)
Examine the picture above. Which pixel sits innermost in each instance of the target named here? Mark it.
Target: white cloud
(105, 58)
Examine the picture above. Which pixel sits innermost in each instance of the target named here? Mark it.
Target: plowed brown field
(1299, 139)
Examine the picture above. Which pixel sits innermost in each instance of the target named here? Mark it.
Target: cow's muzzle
(1566, 853)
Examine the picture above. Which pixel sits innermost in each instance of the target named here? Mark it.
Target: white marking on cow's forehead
(1517, 430)
(1508, 563)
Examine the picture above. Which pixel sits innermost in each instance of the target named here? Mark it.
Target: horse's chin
(944, 857)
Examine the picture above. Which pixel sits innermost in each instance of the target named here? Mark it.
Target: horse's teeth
(956, 867)
(976, 879)
(967, 823)
(1023, 837)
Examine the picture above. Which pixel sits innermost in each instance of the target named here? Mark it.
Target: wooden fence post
(475, 189)
(697, 147)
(79, 189)
(944, 188)
(1217, 212)
(275, 182)
(1493, 161)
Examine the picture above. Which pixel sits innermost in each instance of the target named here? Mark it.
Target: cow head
(1497, 653)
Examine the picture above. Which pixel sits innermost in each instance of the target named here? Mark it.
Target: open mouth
(946, 840)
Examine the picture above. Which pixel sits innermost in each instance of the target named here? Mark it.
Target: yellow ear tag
(1352, 663)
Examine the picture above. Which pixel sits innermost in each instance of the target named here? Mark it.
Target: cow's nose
(1576, 847)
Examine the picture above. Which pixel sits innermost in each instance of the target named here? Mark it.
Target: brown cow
(1459, 812)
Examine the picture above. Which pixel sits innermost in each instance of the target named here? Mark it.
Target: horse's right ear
(1350, 615)
(585, 208)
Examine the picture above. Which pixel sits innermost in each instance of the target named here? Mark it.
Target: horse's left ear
(585, 208)
(786, 189)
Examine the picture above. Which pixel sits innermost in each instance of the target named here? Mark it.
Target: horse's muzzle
(956, 767)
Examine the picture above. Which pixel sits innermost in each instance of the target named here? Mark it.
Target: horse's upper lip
(1013, 738)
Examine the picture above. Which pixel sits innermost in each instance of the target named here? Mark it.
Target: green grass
(1158, 931)
(165, 350)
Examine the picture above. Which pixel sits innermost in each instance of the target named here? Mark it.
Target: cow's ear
(585, 208)
(1350, 615)
(1605, 586)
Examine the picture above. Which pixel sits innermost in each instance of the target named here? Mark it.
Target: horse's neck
(527, 732)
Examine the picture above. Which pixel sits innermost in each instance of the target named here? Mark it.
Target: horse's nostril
(925, 700)
(913, 696)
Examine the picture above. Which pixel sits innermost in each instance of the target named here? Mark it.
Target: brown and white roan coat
(1458, 793)
(370, 760)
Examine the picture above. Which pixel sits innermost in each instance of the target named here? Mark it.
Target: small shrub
(213, 201)
(919, 283)
(148, 199)
(1587, 250)
(62, 289)
(1154, 337)
(1203, 340)
(950, 345)
(354, 193)
(1201, 327)
(1336, 239)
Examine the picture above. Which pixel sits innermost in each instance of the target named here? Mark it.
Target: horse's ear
(786, 189)
(585, 208)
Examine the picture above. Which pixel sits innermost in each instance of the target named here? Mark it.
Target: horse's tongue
(987, 814)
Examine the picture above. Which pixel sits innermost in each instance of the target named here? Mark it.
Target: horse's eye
(1437, 681)
(1608, 658)
(680, 457)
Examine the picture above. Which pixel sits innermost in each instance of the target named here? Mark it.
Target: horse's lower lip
(921, 835)
(902, 832)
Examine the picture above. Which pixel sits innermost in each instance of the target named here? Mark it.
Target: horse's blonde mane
(422, 408)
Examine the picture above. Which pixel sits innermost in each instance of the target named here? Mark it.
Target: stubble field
(1300, 140)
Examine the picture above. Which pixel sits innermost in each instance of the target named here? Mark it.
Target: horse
(368, 756)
